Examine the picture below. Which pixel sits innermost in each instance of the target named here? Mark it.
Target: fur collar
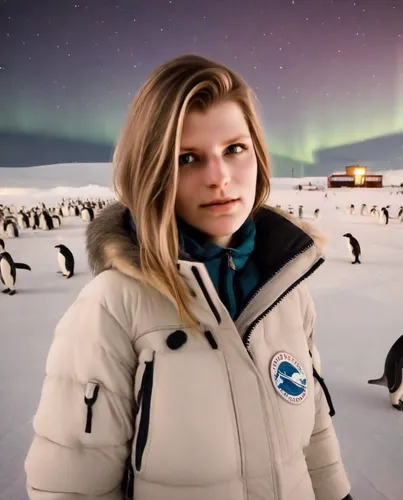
(111, 244)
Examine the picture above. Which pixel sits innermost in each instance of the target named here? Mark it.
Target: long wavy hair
(146, 160)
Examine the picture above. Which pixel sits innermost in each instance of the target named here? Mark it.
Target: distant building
(355, 176)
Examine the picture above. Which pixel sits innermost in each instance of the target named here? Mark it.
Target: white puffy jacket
(232, 414)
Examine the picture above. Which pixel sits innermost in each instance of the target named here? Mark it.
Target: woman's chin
(220, 228)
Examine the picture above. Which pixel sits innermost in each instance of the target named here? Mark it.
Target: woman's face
(217, 163)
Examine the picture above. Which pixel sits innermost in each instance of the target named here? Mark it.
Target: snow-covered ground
(359, 317)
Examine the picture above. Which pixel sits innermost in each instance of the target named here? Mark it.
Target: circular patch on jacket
(288, 378)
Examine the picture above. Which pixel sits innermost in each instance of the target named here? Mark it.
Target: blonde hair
(146, 160)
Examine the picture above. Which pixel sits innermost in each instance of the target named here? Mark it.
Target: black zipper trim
(332, 411)
(211, 340)
(127, 486)
(252, 326)
(257, 291)
(199, 280)
(145, 395)
(224, 269)
(238, 291)
(90, 401)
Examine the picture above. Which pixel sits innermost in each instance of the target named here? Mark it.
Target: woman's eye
(235, 149)
(186, 159)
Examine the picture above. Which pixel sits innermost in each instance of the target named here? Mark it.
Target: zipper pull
(231, 263)
(90, 397)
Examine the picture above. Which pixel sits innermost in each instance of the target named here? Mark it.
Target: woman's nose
(217, 172)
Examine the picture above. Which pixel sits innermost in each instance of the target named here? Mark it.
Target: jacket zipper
(248, 333)
(246, 337)
(252, 326)
(145, 403)
(273, 275)
(224, 267)
(231, 263)
(238, 290)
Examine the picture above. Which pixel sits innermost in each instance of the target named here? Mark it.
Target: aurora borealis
(327, 73)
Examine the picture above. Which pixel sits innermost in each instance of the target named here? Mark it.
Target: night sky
(328, 73)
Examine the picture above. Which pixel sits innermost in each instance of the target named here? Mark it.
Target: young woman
(187, 369)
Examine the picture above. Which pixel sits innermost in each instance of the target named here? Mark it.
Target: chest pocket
(185, 425)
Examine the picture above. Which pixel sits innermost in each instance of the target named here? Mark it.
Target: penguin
(364, 209)
(56, 221)
(10, 228)
(374, 211)
(384, 216)
(392, 374)
(316, 214)
(87, 214)
(66, 261)
(46, 221)
(23, 220)
(8, 270)
(353, 247)
(36, 220)
(301, 212)
(351, 210)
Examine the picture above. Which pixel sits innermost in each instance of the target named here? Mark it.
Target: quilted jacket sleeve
(328, 476)
(84, 422)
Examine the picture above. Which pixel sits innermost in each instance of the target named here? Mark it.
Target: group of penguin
(382, 214)
(392, 376)
(383, 218)
(353, 246)
(316, 214)
(8, 268)
(45, 218)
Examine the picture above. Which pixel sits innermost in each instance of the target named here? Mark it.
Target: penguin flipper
(379, 381)
(19, 265)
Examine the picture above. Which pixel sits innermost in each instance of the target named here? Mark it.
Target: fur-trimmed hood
(111, 243)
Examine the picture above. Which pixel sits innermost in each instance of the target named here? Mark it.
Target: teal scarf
(232, 270)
